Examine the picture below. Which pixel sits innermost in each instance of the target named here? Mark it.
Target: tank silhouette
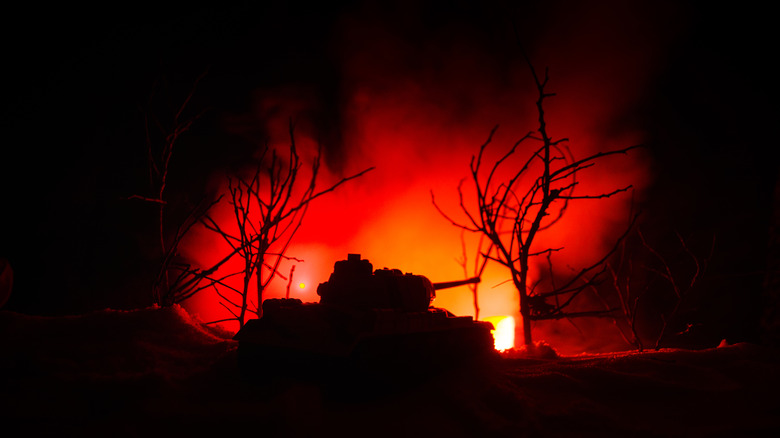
(366, 320)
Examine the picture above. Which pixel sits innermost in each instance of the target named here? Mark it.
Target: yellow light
(504, 332)
(302, 285)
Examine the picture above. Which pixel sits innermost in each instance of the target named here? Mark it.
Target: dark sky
(77, 82)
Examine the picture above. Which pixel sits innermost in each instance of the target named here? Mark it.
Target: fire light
(504, 332)
(413, 126)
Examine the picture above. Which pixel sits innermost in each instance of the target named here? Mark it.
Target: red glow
(420, 127)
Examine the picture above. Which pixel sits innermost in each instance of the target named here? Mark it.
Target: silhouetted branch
(511, 215)
(159, 148)
(268, 210)
(665, 306)
(591, 313)
(480, 262)
(289, 283)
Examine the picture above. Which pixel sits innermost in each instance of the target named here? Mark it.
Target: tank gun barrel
(449, 284)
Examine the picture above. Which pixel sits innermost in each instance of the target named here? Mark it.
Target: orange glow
(420, 128)
(387, 215)
(504, 332)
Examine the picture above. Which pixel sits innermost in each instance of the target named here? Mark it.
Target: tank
(375, 321)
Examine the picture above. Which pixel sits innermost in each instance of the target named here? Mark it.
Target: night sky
(78, 81)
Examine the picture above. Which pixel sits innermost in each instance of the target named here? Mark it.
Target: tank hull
(319, 340)
(376, 323)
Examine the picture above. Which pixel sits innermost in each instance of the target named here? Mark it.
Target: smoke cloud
(418, 92)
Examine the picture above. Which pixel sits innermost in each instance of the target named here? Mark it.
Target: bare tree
(162, 137)
(478, 267)
(268, 209)
(668, 281)
(512, 216)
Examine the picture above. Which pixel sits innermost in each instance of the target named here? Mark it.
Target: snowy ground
(159, 372)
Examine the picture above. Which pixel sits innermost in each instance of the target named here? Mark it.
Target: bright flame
(504, 333)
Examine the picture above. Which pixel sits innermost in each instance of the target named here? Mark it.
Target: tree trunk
(261, 250)
(527, 340)
(244, 296)
(525, 309)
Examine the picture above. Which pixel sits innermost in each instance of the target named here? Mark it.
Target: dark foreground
(157, 372)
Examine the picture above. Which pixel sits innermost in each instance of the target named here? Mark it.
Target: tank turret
(382, 316)
(354, 283)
